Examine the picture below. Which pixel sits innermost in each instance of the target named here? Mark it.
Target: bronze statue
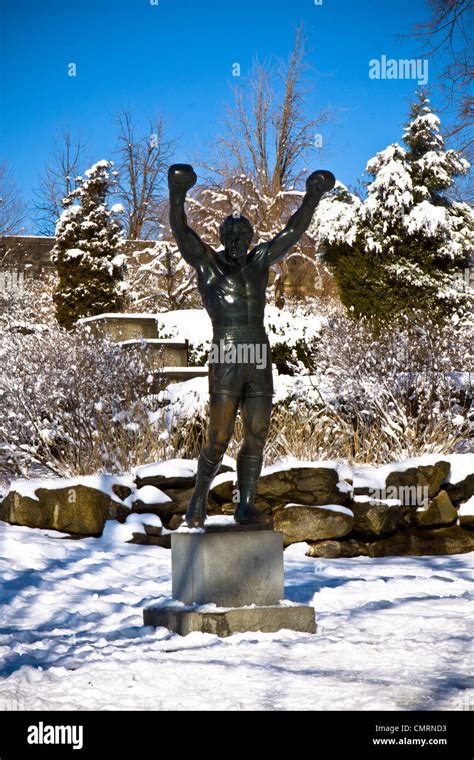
(232, 284)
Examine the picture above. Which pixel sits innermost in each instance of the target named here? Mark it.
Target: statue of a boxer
(232, 284)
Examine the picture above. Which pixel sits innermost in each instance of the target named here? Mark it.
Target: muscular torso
(234, 296)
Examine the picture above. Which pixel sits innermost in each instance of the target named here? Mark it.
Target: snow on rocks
(405, 507)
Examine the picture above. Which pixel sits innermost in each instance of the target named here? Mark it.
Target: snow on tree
(88, 250)
(159, 279)
(407, 245)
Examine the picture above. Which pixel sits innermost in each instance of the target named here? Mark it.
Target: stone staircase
(168, 357)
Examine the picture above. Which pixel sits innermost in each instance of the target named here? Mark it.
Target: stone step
(122, 327)
(180, 374)
(161, 351)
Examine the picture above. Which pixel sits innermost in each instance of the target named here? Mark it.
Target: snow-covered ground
(393, 633)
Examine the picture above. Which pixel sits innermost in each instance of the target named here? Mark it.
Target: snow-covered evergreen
(407, 244)
(88, 251)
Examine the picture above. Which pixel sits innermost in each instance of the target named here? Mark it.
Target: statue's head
(236, 235)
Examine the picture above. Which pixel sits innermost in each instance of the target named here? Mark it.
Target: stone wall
(32, 255)
(419, 507)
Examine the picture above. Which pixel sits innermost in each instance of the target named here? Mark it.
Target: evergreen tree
(88, 250)
(406, 246)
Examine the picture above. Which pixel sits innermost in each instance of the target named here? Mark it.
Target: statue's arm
(181, 177)
(317, 184)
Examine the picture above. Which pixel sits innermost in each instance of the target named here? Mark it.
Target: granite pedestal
(229, 579)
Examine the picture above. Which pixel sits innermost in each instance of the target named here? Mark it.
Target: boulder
(76, 508)
(462, 491)
(335, 549)
(439, 511)
(419, 480)
(300, 522)
(374, 518)
(413, 542)
(312, 486)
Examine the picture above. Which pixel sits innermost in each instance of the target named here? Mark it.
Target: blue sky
(176, 58)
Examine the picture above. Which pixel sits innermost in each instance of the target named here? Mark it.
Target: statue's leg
(222, 413)
(256, 413)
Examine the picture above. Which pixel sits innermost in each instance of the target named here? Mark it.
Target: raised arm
(181, 178)
(317, 184)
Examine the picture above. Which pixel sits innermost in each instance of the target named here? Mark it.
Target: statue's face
(236, 237)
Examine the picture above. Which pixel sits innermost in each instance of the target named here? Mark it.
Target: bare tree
(58, 178)
(142, 161)
(449, 32)
(267, 136)
(267, 129)
(12, 208)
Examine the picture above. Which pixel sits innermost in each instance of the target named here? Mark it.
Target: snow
(115, 532)
(101, 483)
(426, 218)
(173, 468)
(102, 164)
(461, 465)
(392, 633)
(328, 507)
(191, 324)
(147, 495)
(176, 468)
(119, 315)
(74, 253)
(467, 508)
(221, 520)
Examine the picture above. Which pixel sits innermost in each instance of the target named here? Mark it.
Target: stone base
(228, 568)
(233, 620)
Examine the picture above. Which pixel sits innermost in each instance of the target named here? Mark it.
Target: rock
(413, 485)
(335, 549)
(440, 511)
(180, 499)
(462, 491)
(150, 539)
(311, 486)
(413, 542)
(222, 490)
(175, 522)
(122, 491)
(374, 518)
(311, 523)
(73, 509)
